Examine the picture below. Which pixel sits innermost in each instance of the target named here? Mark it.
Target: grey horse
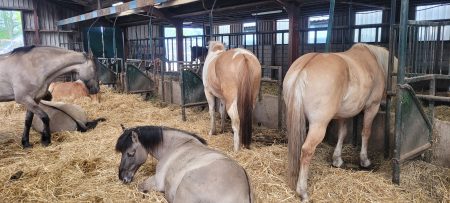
(187, 170)
(26, 72)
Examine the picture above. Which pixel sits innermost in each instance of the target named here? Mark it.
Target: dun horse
(187, 170)
(321, 87)
(64, 117)
(26, 72)
(234, 77)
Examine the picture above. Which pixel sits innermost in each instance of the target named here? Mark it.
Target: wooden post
(37, 38)
(179, 34)
(293, 11)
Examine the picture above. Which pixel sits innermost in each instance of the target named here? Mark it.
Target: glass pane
(11, 33)
(433, 12)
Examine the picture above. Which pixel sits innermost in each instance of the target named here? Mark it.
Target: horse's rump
(63, 117)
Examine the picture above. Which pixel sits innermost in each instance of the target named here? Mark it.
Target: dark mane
(149, 137)
(203, 141)
(22, 50)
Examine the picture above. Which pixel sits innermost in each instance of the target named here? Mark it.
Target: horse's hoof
(337, 163)
(45, 143)
(27, 145)
(365, 164)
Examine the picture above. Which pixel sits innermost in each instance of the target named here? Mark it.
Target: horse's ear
(123, 127)
(134, 137)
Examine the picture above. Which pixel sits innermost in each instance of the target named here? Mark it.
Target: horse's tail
(245, 101)
(293, 89)
(93, 124)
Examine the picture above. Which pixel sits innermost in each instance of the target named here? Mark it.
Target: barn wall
(48, 14)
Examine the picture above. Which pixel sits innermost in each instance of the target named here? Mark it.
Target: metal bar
(280, 97)
(414, 152)
(196, 104)
(120, 10)
(183, 107)
(433, 98)
(400, 80)
(387, 124)
(431, 102)
(330, 26)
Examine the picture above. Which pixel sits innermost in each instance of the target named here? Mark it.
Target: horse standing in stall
(234, 77)
(320, 87)
(187, 170)
(26, 72)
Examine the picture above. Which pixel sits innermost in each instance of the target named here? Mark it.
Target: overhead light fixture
(187, 23)
(267, 13)
(118, 3)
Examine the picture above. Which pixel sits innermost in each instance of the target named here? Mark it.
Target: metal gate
(192, 90)
(136, 80)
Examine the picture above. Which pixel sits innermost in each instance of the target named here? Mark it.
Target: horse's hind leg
(369, 115)
(315, 136)
(26, 130)
(211, 104)
(235, 121)
(32, 106)
(222, 115)
(337, 159)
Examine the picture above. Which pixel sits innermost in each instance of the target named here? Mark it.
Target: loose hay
(83, 166)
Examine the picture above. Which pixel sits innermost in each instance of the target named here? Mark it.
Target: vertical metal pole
(400, 80)
(387, 119)
(183, 107)
(330, 26)
(280, 96)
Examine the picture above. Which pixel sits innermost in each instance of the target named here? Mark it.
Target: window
(433, 12)
(192, 37)
(368, 18)
(170, 43)
(283, 38)
(250, 39)
(224, 29)
(319, 36)
(11, 33)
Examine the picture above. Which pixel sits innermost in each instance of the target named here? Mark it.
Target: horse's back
(200, 174)
(221, 181)
(71, 90)
(59, 121)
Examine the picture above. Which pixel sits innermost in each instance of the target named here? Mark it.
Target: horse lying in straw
(64, 117)
(187, 170)
(320, 87)
(234, 77)
(26, 72)
(72, 90)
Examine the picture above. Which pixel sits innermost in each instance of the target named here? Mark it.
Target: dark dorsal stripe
(22, 50)
(149, 137)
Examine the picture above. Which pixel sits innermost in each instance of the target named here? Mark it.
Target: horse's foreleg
(369, 115)
(222, 115)
(149, 184)
(235, 121)
(32, 106)
(315, 136)
(211, 104)
(26, 131)
(337, 159)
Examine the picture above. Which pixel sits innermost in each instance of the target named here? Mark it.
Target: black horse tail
(92, 124)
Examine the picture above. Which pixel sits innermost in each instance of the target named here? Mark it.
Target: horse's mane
(22, 50)
(149, 137)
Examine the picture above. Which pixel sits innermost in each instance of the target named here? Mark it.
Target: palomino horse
(234, 77)
(26, 72)
(187, 170)
(73, 90)
(320, 87)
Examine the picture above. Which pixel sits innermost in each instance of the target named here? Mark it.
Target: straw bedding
(83, 166)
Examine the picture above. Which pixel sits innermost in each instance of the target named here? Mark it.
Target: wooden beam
(230, 8)
(179, 34)
(37, 38)
(293, 10)
(166, 3)
(123, 9)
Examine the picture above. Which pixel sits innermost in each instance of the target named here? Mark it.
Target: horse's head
(88, 73)
(214, 46)
(133, 152)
